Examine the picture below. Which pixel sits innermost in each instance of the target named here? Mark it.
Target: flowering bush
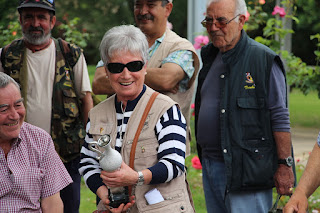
(9, 33)
(196, 162)
(200, 41)
(279, 10)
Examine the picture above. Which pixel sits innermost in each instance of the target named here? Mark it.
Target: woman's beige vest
(103, 121)
(171, 43)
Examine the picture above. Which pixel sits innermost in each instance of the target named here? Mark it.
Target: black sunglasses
(133, 66)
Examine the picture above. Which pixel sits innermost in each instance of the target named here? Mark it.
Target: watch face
(289, 161)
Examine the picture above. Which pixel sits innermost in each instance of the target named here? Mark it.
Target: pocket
(251, 116)
(257, 164)
(173, 202)
(70, 102)
(146, 153)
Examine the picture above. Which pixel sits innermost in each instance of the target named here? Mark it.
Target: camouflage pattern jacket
(67, 128)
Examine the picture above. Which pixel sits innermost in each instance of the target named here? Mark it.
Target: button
(221, 76)
(223, 111)
(225, 151)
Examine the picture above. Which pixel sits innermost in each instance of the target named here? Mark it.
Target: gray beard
(36, 40)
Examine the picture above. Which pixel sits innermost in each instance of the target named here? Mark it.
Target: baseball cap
(45, 4)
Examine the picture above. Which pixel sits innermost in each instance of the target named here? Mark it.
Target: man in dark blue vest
(241, 116)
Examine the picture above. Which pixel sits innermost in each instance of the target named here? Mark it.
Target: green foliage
(299, 74)
(260, 16)
(72, 34)
(302, 76)
(9, 33)
(317, 52)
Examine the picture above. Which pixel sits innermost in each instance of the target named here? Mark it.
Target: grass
(304, 109)
(304, 112)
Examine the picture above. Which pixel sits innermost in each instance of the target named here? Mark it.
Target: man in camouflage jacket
(54, 84)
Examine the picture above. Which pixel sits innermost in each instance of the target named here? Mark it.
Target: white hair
(124, 38)
(5, 80)
(240, 7)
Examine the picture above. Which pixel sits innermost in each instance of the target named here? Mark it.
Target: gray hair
(5, 80)
(124, 38)
(240, 7)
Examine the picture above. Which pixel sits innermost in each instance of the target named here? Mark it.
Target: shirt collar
(130, 104)
(158, 41)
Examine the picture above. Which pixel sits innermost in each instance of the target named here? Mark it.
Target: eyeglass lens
(133, 66)
(220, 22)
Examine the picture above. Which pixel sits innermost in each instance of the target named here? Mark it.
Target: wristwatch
(140, 179)
(287, 161)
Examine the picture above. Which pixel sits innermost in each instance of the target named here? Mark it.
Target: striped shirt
(32, 170)
(170, 131)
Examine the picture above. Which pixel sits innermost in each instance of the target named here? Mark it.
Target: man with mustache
(31, 172)
(55, 86)
(241, 116)
(172, 64)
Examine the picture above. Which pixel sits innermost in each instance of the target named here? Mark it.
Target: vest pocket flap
(100, 129)
(69, 93)
(250, 103)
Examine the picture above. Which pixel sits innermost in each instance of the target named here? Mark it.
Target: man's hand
(104, 205)
(298, 203)
(284, 180)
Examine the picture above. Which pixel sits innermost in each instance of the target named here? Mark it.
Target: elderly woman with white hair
(154, 171)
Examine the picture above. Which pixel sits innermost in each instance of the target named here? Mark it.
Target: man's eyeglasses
(133, 66)
(220, 22)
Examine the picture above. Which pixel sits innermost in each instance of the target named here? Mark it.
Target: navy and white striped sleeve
(171, 134)
(89, 165)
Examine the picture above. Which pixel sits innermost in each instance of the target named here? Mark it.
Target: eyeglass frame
(204, 22)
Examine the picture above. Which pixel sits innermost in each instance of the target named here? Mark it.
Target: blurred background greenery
(95, 17)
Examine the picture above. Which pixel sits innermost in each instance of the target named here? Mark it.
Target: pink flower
(192, 106)
(247, 16)
(279, 10)
(196, 162)
(298, 160)
(262, 1)
(200, 41)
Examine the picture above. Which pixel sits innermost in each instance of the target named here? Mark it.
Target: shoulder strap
(136, 137)
(143, 119)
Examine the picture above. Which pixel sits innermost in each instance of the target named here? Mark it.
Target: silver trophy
(110, 160)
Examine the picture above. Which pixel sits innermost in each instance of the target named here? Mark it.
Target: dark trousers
(71, 194)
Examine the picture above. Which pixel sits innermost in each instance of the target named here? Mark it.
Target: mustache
(215, 33)
(31, 29)
(145, 17)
